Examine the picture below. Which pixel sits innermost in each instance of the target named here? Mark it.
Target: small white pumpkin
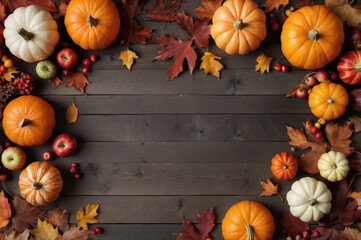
(333, 166)
(31, 33)
(309, 199)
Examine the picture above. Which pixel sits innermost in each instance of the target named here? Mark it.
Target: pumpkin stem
(25, 34)
(91, 21)
(312, 35)
(37, 186)
(285, 166)
(329, 100)
(334, 166)
(249, 232)
(239, 24)
(24, 122)
(312, 202)
(357, 67)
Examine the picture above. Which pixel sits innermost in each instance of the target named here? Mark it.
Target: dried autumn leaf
(345, 12)
(161, 11)
(338, 137)
(293, 225)
(355, 164)
(269, 188)
(210, 64)
(2, 236)
(329, 234)
(2, 13)
(205, 226)
(355, 122)
(18, 236)
(134, 32)
(78, 80)
(62, 8)
(130, 9)
(44, 4)
(263, 63)
(87, 216)
(9, 74)
(292, 93)
(350, 214)
(23, 215)
(45, 231)
(72, 113)
(178, 50)
(128, 58)
(75, 233)
(339, 192)
(351, 234)
(304, 3)
(207, 9)
(55, 82)
(5, 210)
(271, 4)
(59, 219)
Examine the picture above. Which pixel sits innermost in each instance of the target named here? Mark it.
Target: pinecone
(7, 91)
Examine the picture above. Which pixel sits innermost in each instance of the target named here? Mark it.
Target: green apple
(46, 69)
(13, 158)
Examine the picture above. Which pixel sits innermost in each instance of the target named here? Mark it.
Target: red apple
(13, 158)
(66, 58)
(301, 92)
(322, 76)
(47, 156)
(64, 145)
(311, 81)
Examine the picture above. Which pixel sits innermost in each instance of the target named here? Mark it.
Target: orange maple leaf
(338, 137)
(78, 80)
(55, 82)
(271, 4)
(5, 210)
(269, 189)
(207, 9)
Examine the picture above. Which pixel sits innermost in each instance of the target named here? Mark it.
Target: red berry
(77, 176)
(86, 62)
(85, 70)
(274, 25)
(3, 177)
(66, 72)
(93, 58)
(314, 130)
(93, 232)
(316, 233)
(73, 164)
(8, 144)
(277, 67)
(72, 170)
(305, 234)
(319, 135)
(123, 42)
(98, 230)
(3, 68)
(22, 92)
(208, 238)
(334, 76)
(65, 44)
(284, 68)
(47, 156)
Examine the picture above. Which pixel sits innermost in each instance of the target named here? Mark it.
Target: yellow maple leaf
(263, 63)
(210, 64)
(9, 74)
(45, 231)
(128, 57)
(351, 234)
(87, 216)
(72, 113)
(271, 4)
(345, 12)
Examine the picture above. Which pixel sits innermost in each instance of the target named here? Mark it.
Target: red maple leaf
(78, 80)
(207, 9)
(178, 50)
(161, 11)
(304, 3)
(205, 226)
(47, 5)
(129, 10)
(133, 31)
(200, 31)
(293, 225)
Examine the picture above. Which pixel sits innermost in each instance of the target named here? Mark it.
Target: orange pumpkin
(284, 166)
(238, 26)
(312, 37)
(28, 120)
(92, 24)
(40, 183)
(248, 220)
(328, 100)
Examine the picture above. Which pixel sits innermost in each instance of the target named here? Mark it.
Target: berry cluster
(274, 24)
(316, 129)
(279, 67)
(25, 83)
(87, 62)
(96, 231)
(75, 171)
(306, 235)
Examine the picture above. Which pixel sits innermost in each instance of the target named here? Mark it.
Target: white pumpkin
(333, 166)
(309, 199)
(31, 33)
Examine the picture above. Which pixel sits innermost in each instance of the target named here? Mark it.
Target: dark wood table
(152, 151)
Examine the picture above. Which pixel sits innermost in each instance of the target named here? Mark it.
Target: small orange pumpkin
(328, 100)
(284, 166)
(238, 26)
(28, 121)
(312, 37)
(92, 24)
(40, 183)
(248, 220)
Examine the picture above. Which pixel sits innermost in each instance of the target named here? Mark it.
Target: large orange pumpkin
(328, 100)
(248, 220)
(312, 37)
(238, 26)
(92, 24)
(284, 166)
(40, 183)
(28, 120)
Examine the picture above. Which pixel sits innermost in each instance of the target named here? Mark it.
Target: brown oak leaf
(338, 137)
(134, 32)
(23, 214)
(75, 233)
(178, 50)
(161, 11)
(293, 225)
(47, 5)
(78, 80)
(207, 9)
(355, 122)
(304, 3)
(271, 4)
(59, 219)
(205, 226)
(269, 188)
(55, 82)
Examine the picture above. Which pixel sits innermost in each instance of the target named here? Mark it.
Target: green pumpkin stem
(37, 186)
(312, 35)
(239, 24)
(357, 67)
(25, 34)
(249, 232)
(91, 21)
(24, 122)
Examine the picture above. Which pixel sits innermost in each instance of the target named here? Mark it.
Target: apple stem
(25, 34)
(91, 21)
(24, 122)
(37, 186)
